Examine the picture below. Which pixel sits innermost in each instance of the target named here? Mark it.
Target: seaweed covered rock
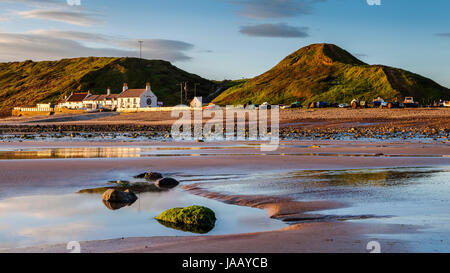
(167, 183)
(194, 218)
(117, 196)
(149, 176)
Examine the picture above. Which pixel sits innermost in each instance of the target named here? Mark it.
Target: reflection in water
(37, 220)
(412, 196)
(105, 152)
(116, 205)
(319, 184)
(168, 151)
(88, 152)
(188, 228)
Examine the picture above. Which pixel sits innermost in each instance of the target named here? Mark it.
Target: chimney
(148, 87)
(125, 87)
(108, 91)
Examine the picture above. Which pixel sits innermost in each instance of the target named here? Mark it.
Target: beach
(216, 170)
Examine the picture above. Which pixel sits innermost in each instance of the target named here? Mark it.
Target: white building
(75, 101)
(128, 99)
(108, 101)
(137, 98)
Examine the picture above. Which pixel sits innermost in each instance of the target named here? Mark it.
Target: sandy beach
(305, 118)
(309, 230)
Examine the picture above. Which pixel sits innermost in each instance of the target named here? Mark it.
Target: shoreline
(313, 234)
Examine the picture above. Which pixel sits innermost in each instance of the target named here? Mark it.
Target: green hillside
(325, 72)
(27, 83)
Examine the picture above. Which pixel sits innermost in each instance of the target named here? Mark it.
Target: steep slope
(328, 73)
(27, 83)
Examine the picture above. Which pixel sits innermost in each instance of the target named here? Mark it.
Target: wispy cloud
(74, 17)
(57, 44)
(264, 9)
(281, 30)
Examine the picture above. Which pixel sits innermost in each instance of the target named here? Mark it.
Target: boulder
(117, 196)
(149, 176)
(167, 183)
(189, 218)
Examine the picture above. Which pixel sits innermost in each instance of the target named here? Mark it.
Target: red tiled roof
(132, 93)
(77, 97)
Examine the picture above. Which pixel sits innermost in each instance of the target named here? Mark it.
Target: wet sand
(329, 235)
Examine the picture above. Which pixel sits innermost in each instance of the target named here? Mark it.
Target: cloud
(73, 17)
(29, 1)
(281, 30)
(162, 49)
(264, 9)
(57, 44)
(75, 35)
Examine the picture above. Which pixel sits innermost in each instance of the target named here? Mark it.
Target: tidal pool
(419, 197)
(52, 219)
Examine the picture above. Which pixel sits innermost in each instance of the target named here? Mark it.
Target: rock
(167, 183)
(149, 175)
(195, 218)
(117, 196)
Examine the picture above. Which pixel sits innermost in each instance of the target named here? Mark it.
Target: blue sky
(230, 39)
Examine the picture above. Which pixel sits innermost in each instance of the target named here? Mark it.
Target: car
(377, 102)
(296, 104)
(265, 105)
(319, 104)
(344, 105)
(391, 105)
(409, 103)
(358, 104)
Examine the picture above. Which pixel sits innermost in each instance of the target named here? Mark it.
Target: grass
(328, 73)
(26, 83)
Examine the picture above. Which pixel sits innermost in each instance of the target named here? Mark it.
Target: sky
(230, 39)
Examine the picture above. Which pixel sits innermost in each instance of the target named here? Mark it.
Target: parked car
(296, 104)
(409, 103)
(377, 102)
(265, 105)
(358, 104)
(446, 103)
(344, 105)
(319, 104)
(391, 105)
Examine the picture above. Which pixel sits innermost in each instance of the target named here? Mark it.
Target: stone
(117, 196)
(167, 183)
(149, 175)
(189, 218)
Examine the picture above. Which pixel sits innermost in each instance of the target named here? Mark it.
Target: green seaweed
(190, 218)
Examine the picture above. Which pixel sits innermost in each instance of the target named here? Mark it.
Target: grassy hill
(27, 83)
(325, 72)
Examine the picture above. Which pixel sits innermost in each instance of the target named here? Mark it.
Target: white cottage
(75, 101)
(137, 98)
